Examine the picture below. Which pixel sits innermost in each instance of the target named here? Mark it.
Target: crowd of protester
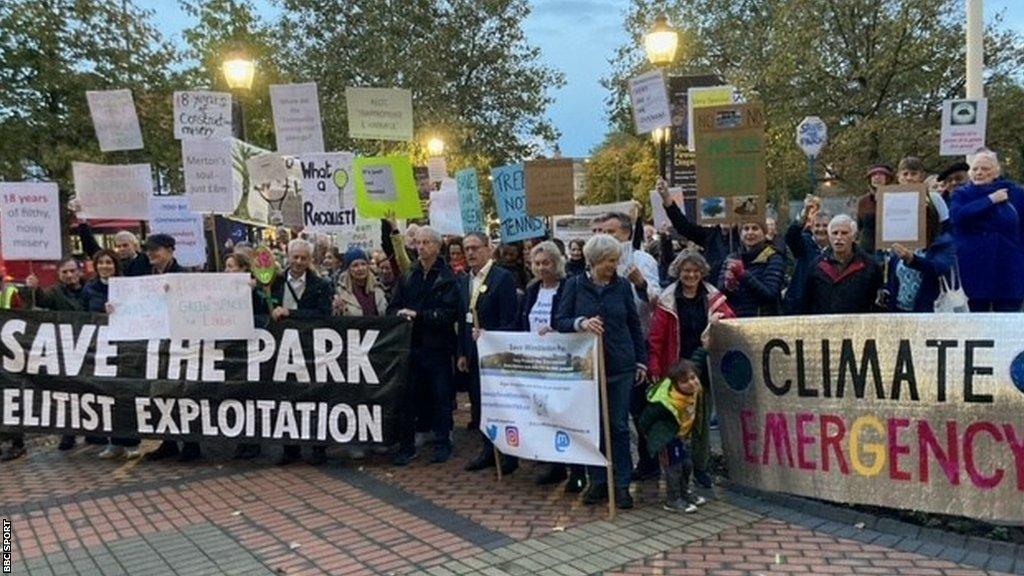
(651, 294)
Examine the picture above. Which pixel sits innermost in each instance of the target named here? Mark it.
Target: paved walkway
(75, 514)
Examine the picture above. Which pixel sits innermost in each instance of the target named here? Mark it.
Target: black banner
(336, 380)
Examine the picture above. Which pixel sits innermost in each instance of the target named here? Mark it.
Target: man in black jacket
(126, 246)
(428, 297)
(845, 279)
(487, 295)
(300, 293)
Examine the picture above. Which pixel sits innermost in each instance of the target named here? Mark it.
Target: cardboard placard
(328, 197)
(731, 180)
(208, 175)
(114, 118)
(379, 113)
(113, 191)
(297, 124)
(580, 224)
(509, 186)
(201, 114)
(171, 215)
(30, 221)
(900, 216)
(648, 97)
(445, 215)
(549, 187)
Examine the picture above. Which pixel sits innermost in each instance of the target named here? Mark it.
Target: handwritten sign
(379, 113)
(649, 99)
(731, 179)
(297, 122)
(114, 118)
(445, 215)
(437, 168)
(386, 184)
(171, 215)
(113, 191)
(509, 184)
(705, 97)
(140, 305)
(811, 136)
(208, 175)
(328, 198)
(549, 187)
(30, 221)
(199, 115)
(469, 200)
(964, 123)
(365, 234)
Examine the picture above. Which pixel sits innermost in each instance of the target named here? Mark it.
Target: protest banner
(445, 215)
(437, 168)
(469, 200)
(30, 221)
(379, 113)
(171, 215)
(581, 224)
(509, 186)
(114, 118)
(113, 191)
(549, 187)
(914, 411)
(297, 123)
(182, 306)
(208, 176)
(682, 164)
(385, 184)
(274, 189)
(705, 97)
(901, 216)
(201, 115)
(964, 123)
(327, 381)
(539, 396)
(731, 181)
(658, 212)
(328, 198)
(648, 97)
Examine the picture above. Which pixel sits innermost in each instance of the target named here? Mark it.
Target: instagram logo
(512, 436)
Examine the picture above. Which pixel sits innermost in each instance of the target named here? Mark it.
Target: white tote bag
(952, 297)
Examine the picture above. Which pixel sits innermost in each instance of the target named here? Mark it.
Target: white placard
(380, 183)
(211, 306)
(437, 168)
(811, 136)
(199, 115)
(30, 221)
(171, 215)
(964, 123)
(113, 191)
(580, 225)
(272, 177)
(114, 118)
(201, 306)
(328, 196)
(649, 99)
(365, 235)
(539, 396)
(297, 122)
(140, 305)
(658, 208)
(445, 213)
(208, 175)
(900, 217)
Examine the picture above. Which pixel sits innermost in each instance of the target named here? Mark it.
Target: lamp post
(239, 72)
(661, 44)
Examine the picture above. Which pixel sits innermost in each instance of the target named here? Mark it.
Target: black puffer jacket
(852, 290)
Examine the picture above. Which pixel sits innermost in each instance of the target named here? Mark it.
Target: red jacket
(663, 343)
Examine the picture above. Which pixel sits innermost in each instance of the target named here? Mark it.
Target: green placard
(386, 184)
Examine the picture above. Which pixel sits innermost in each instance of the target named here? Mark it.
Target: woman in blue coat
(602, 303)
(988, 226)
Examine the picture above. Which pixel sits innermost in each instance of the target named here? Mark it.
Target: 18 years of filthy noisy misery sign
(924, 412)
(336, 380)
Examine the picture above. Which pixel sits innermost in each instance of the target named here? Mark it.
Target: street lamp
(239, 71)
(435, 147)
(661, 44)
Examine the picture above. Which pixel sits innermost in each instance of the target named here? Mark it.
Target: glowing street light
(239, 71)
(435, 147)
(661, 42)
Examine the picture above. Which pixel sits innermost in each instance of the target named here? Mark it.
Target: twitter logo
(492, 432)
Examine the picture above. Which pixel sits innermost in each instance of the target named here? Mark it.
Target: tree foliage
(623, 167)
(875, 71)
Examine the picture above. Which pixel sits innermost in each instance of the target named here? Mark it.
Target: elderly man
(428, 297)
(126, 246)
(488, 302)
(300, 293)
(807, 240)
(845, 280)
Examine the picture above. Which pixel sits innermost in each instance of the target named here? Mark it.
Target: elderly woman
(358, 293)
(602, 303)
(988, 224)
(680, 317)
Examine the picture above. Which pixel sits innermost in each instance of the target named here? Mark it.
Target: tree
(876, 72)
(623, 167)
(51, 53)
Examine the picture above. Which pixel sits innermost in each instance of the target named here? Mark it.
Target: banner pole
(603, 387)
(497, 461)
(216, 248)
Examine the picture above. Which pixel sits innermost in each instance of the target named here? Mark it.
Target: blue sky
(575, 36)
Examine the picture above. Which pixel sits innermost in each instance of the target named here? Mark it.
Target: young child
(668, 420)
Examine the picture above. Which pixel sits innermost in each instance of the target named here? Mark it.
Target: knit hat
(881, 169)
(155, 241)
(354, 254)
(940, 206)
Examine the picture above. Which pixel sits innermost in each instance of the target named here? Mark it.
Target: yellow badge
(483, 288)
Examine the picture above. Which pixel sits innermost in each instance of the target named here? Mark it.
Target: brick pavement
(74, 514)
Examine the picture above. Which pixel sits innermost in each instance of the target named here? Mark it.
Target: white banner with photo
(539, 396)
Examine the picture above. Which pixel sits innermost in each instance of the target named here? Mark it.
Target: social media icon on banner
(512, 436)
(492, 432)
(562, 441)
